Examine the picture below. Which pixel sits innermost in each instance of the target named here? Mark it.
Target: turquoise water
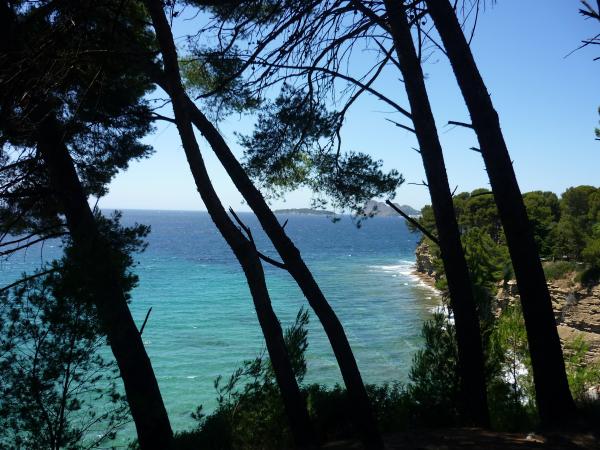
(203, 323)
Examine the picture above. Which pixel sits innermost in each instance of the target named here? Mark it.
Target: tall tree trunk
(243, 247)
(141, 387)
(295, 265)
(554, 400)
(362, 410)
(470, 365)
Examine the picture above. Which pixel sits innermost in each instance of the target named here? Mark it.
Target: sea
(203, 324)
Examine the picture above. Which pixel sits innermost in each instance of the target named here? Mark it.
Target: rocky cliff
(381, 209)
(424, 260)
(576, 308)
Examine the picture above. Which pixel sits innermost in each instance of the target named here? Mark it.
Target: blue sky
(548, 107)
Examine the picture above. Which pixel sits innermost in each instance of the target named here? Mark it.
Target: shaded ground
(474, 438)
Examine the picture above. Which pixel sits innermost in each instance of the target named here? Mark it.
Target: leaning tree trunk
(554, 400)
(243, 247)
(143, 394)
(470, 355)
(295, 265)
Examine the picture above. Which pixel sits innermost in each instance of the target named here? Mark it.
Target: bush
(591, 252)
(49, 340)
(510, 386)
(250, 413)
(580, 374)
(559, 269)
(392, 406)
(434, 387)
(589, 277)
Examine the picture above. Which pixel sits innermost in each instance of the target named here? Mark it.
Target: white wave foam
(406, 269)
(403, 268)
(443, 309)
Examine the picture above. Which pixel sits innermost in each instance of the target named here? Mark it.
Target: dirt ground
(474, 438)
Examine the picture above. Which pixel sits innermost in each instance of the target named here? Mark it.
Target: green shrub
(392, 406)
(330, 411)
(581, 375)
(434, 383)
(559, 269)
(589, 277)
(433, 394)
(251, 415)
(510, 385)
(591, 252)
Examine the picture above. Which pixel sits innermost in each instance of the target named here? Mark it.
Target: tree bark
(143, 394)
(290, 255)
(362, 410)
(242, 247)
(470, 365)
(554, 400)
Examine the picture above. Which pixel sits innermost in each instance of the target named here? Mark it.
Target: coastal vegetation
(554, 222)
(565, 229)
(57, 387)
(81, 88)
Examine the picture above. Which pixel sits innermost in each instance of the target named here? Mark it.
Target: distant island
(372, 207)
(381, 209)
(304, 211)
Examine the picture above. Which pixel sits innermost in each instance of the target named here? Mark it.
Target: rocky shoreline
(426, 279)
(576, 308)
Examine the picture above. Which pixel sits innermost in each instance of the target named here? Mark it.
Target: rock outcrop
(424, 260)
(576, 308)
(381, 209)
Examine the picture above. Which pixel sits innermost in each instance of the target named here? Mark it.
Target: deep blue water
(203, 323)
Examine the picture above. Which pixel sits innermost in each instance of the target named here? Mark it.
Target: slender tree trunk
(470, 354)
(242, 247)
(554, 400)
(362, 410)
(141, 387)
(295, 265)
(61, 417)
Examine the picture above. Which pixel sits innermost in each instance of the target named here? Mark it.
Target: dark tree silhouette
(242, 246)
(57, 390)
(589, 12)
(470, 354)
(554, 400)
(313, 40)
(295, 265)
(72, 113)
(141, 387)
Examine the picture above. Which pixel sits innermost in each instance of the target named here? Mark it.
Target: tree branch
(402, 126)
(460, 124)
(26, 279)
(413, 221)
(145, 320)
(262, 256)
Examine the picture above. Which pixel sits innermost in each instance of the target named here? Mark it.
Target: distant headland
(305, 211)
(381, 209)
(372, 207)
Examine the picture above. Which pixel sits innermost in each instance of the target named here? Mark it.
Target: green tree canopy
(79, 61)
(294, 144)
(580, 208)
